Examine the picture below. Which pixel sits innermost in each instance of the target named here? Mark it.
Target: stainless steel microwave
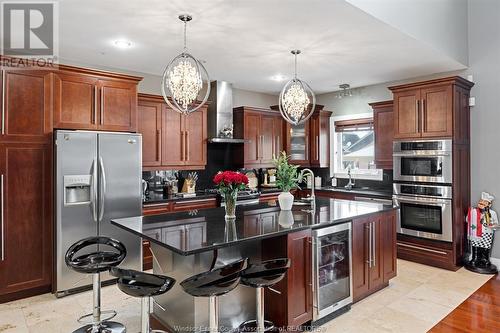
(427, 161)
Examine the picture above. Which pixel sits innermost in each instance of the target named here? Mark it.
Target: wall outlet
(472, 101)
(470, 78)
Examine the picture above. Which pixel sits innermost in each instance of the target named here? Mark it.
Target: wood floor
(478, 313)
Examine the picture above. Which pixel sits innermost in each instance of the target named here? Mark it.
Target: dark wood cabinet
(383, 125)
(308, 144)
(26, 105)
(407, 114)
(373, 253)
(427, 109)
(26, 185)
(320, 139)
(171, 140)
(298, 143)
(175, 206)
(150, 127)
(94, 100)
(437, 111)
(441, 110)
(389, 246)
(289, 304)
(195, 136)
(118, 105)
(75, 101)
(263, 131)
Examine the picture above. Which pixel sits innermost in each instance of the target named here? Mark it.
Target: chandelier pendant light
(185, 79)
(297, 100)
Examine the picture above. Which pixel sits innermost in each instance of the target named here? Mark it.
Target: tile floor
(415, 300)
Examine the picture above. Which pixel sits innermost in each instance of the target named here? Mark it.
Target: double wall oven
(423, 174)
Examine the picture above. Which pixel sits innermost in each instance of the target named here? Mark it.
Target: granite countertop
(253, 222)
(155, 197)
(383, 194)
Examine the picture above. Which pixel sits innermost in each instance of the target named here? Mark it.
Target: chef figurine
(481, 223)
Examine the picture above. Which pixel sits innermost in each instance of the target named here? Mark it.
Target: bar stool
(145, 286)
(213, 284)
(259, 276)
(95, 263)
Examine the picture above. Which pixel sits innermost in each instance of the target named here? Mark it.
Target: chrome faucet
(350, 184)
(301, 176)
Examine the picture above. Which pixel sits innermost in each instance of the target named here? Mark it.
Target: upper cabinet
(431, 109)
(320, 139)
(95, 101)
(171, 140)
(26, 105)
(308, 144)
(263, 131)
(383, 124)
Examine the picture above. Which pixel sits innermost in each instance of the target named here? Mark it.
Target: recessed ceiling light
(122, 44)
(278, 77)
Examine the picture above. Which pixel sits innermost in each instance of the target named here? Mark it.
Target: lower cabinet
(26, 218)
(289, 302)
(373, 253)
(170, 207)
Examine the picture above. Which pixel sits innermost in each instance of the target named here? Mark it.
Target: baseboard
(495, 261)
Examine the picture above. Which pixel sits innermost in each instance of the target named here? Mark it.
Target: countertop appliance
(98, 178)
(427, 161)
(332, 269)
(424, 211)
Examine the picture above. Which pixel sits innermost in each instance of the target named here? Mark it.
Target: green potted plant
(286, 180)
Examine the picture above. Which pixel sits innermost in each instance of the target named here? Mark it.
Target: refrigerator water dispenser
(77, 190)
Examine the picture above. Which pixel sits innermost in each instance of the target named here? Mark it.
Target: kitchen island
(186, 243)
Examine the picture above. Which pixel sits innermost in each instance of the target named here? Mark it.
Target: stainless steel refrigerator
(98, 177)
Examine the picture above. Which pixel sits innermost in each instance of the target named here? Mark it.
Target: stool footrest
(89, 318)
(251, 326)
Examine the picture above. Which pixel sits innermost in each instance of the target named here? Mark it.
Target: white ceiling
(247, 42)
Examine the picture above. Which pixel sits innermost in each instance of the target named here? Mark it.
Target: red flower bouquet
(229, 183)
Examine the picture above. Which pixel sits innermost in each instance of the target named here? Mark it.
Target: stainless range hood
(220, 113)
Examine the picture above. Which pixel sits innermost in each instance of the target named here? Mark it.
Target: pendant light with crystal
(185, 79)
(297, 100)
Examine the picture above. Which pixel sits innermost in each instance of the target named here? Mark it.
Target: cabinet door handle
(101, 95)
(182, 145)
(417, 106)
(158, 144)
(257, 144)
(317, 147)
(4, 82)
(2, 217)
(422, 118)
(277, 146)
(186, 138)
(374, 242)
(94, 115)
(369, 261)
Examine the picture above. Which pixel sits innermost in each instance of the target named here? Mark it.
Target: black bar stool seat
(259, 276)
(139, 284)
(266, 273)
(215, 283)
(94, 263)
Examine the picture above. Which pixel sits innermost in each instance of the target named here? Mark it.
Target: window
(354, 148)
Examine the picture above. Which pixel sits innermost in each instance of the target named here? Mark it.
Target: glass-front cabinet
(298, 143)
